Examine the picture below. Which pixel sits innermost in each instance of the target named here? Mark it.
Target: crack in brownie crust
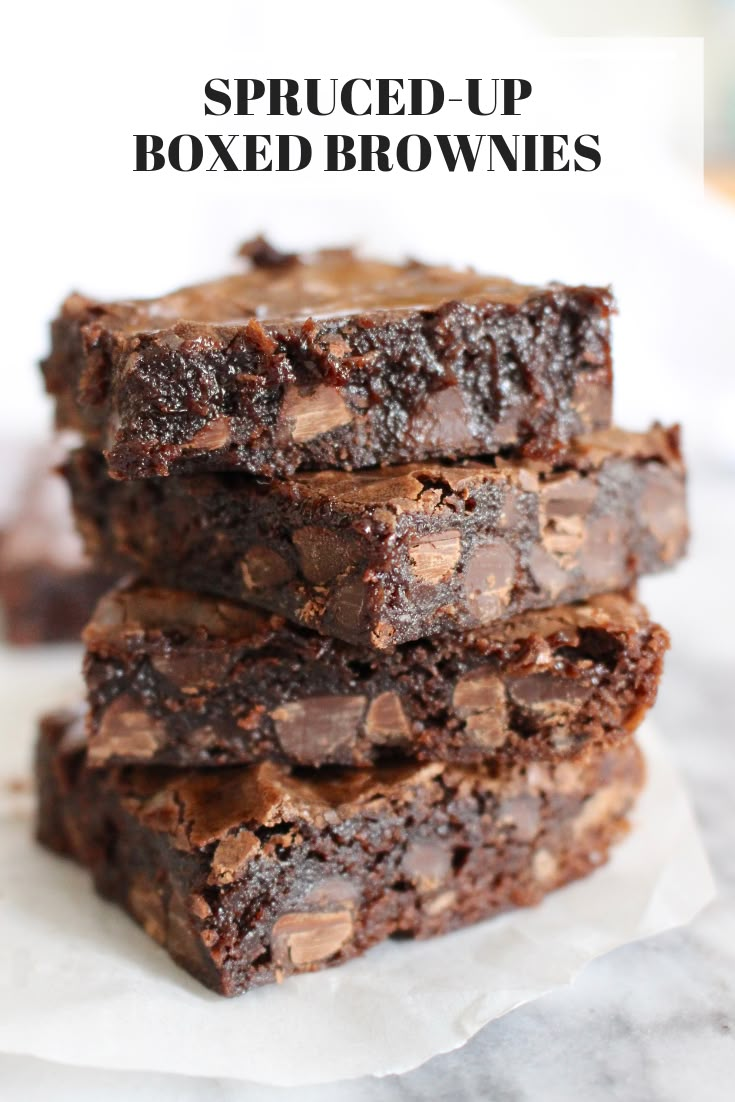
(386, 556)
(178, 679)
(247, 875)
(332, 361)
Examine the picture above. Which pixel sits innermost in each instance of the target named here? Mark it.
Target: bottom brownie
(249, 874)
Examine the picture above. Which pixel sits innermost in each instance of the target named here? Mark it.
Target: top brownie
(331, 361)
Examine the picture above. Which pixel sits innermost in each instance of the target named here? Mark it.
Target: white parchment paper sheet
(81, 984)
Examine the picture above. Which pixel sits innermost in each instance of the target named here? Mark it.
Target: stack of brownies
(379, 665)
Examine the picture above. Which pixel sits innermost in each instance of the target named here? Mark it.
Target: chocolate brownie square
(330, 360)
(382, 557)
(175, 678)
(249, 874)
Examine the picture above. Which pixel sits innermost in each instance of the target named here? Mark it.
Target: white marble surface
(653, 1021)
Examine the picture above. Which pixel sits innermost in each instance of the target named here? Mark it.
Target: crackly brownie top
(279, 287)
(138, 614)
(422, 487)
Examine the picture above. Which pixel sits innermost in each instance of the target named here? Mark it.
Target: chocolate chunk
(319, 727)
(386, 723)
(427, 864)
(489, 578)
(214, 435)
(263, 568)
(347, 605)
(332, 893)
(479, 691)
(549, 576)
(603, 554)
(434, 558)
(564, 505)
(311, 415)
(302, 939)
(323, 553)
(479, 699)
(191, 673)
(546, 692)
(443, 415)
(126, 730)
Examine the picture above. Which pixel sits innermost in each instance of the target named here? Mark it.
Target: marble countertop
(652, 1021)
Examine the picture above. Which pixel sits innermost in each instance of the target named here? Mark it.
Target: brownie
(48, 588)
(331, 361)
(385, 556)
(45, 603)
(184, 680)
(251, 873)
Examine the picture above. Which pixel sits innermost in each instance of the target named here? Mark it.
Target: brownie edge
(247, 875)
